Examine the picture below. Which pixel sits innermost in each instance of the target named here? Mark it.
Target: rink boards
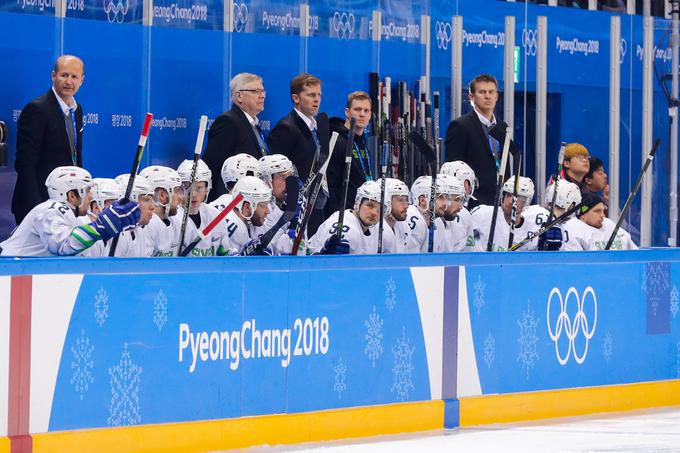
(206, 354)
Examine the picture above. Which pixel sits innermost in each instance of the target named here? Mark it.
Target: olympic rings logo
(115, 12)
(572, 328)
(529, 42)
(240, 16)
(444, 34)
(343, 24)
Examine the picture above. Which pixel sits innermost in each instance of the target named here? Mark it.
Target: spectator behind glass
(596, 179)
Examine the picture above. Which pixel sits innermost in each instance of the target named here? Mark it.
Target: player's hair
(357, 96)
(481, 78)
(298, 84)
(241, 80)
(595, 164)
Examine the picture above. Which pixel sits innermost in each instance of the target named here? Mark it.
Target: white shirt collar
(64, 106)
(251, 120)
(485, 121)
(310, 122)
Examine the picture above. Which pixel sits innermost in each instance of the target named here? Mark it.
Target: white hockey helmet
(106, 189)
(393, 187)
(445, 184)
(140, 186)
(203, 173)
(254, 191)
(525, 188)
(370, 190)
(238, 166)
(568, 193)
(162, 178)
(273, 164)
(64, 179)
(462, 171)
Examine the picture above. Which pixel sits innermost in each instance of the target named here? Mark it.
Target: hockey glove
(115, 219)
(551, 239)
(335, 246)
(250, 249)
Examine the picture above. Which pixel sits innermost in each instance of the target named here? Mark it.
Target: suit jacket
(230, 134)
(467, 141)
(292, 138)
(42, 145)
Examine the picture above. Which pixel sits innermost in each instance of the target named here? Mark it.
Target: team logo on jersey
(343, 25)
(444, 34)
(116, 11)
(571, 334)
(529, 41)
(240, 16)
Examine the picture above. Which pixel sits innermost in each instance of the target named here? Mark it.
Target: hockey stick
(382, 196)
(135, 166)
(513, 214)
(307, 203)
(631, 197)
(292, 192)
(202, 234)
(197, 155)
(345, 179)
(428, 154)
(557, 221)
(558, 176)
(499, 187)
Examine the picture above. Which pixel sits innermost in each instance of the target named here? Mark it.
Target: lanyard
(74, 151)
(365, 167)
(494, 145)
(262, 142)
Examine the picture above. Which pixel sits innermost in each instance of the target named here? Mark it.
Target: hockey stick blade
(292, 192)
(206, 231)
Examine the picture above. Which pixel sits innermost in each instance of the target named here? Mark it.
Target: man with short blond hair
(237, 130)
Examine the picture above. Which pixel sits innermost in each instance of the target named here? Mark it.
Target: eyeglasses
(257, 91)
(581, 157)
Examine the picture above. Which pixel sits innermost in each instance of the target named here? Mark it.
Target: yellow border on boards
(5, 445)
(519, 407)
(250, 431)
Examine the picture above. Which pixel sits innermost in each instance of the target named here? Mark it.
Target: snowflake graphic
(373, 337)
(125, 379)
(674, 301)
(527, 340)
(608, 350)
(403, 366)
(82, 364)
(390, 294)
(160, 310)
(101, 306)
(655, 279)
(339, 383)
(479, 295)
(489, 350)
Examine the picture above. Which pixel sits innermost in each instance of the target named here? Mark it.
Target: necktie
(71, 136)
(318, 144)
(264, 149)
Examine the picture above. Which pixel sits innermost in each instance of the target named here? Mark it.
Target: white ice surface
(654, 431)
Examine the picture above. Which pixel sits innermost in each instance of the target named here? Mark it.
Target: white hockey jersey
(212, 244)
(576, 235)
(238, 234)
(533, 218)
(221, 202)
(360, 242)
(163, 235)
(600, 237)
(462, 237)
(416, 231)
(51, 228)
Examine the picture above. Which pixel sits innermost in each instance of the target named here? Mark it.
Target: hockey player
(527, 221)
(164, 227)
(200, 213)
(234, 168)
(592, 213)
(575, 234)
(273, 170)
(248, 214)
(456, 221)
(419, 217)
(465, 173)
(136, 241)
(52, 227)
(395, 228)
(104, 192)
(359, 230)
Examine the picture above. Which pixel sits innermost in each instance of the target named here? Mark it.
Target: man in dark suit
(477, 137)
(49, 135)
(237, 130)
(296, 136)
